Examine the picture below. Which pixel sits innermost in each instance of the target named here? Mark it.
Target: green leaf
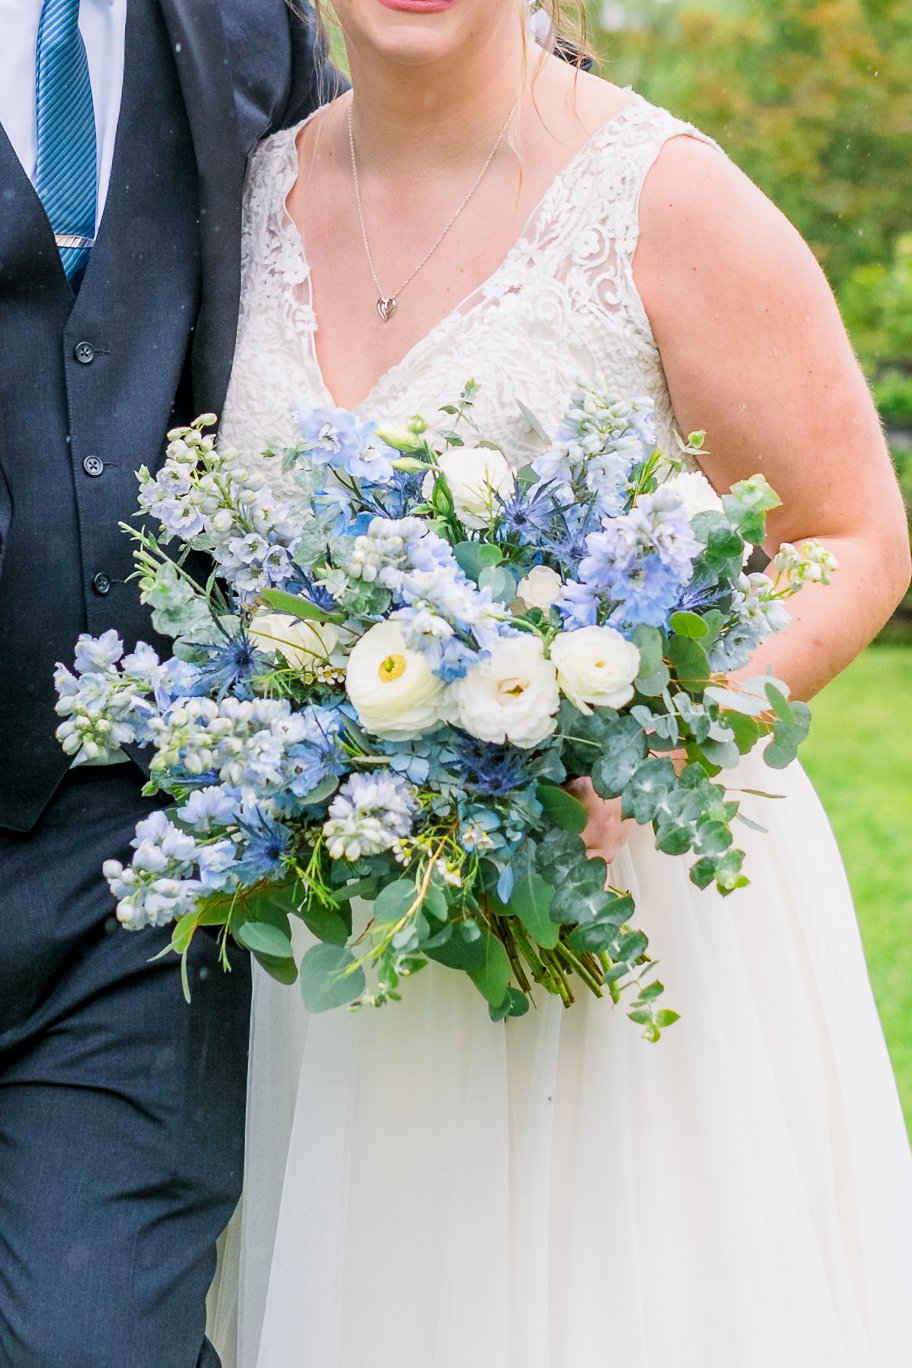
(435, 903)
(394, 901)
(183, 932)
(473, 557)
(515, 1004)
(625, 749)
(582, 905)
(690, 662)
(271, 904)
(674, 840)
(298, 607)
(327, 978)
(263, 939)
(282, 970)
(328, 923)
(502, 583)
(534, 423)
(360, 888)
(651, 645)
(654, 684)
(688, 625)
(492, 978)
(531, 901)
(781, 706)
(462, 948)
(723, 754)
(562, 808)
(713, 838)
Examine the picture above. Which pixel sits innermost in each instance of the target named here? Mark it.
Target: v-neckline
(289, 229)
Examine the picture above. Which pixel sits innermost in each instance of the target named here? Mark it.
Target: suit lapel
(204, 70)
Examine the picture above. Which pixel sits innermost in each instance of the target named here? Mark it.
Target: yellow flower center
(514, 687)
(392, 668)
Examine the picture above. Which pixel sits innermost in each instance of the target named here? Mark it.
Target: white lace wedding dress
(428, 1190)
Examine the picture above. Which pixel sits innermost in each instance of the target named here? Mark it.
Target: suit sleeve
(314, 79)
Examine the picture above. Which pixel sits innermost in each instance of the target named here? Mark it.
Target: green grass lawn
(859, 756)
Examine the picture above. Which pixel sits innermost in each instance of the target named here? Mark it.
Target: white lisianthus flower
(540, 588)
(596, 667)
(303, 644)
(695, 492)
(511, 695)
(475, 477)
(391, 687)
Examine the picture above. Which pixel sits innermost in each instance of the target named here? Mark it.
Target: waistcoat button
(102, 583)
(84, 353)
(93, 465)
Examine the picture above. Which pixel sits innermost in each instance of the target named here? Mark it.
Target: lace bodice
(561, 307)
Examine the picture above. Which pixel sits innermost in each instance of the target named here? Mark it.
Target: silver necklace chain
(388, 304)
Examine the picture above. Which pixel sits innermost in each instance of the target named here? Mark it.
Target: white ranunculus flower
(511, 695)
(303, 644)
(393, 691)
(695, 492)
(540, 588)
(475, 476)
(596, 666)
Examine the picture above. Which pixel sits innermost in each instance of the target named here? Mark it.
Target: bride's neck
(411, 119)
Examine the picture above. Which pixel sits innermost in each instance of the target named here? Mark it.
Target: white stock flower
(510, 695)
(475, 477)
(540, 588)
(695, 492)
(596, 666)
(303, 644)
(391, 687)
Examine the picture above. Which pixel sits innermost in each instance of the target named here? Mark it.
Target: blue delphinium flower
(334, 437)
(209, 808)
(642, 561)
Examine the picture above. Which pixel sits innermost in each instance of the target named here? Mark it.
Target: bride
(425, 1189)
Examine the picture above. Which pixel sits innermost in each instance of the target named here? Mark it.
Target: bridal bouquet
(402, 653)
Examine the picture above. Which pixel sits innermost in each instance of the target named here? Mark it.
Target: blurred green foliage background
(813, 99)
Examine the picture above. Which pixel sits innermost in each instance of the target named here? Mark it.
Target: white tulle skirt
(428, 1190)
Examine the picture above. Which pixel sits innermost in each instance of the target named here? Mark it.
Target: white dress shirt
(102, 24)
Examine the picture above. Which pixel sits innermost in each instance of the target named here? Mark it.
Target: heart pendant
(387, 307)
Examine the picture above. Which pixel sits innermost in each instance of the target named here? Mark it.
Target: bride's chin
(416, 33)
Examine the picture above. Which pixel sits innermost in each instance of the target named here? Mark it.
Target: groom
(125, 126)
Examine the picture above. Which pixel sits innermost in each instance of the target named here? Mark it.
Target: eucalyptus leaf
(690, 663)
(492, 977)
(501, 582)
(264, 939)
(464, 948)
(652, 685)
(562, 808)
(515, 1004)
(393, 901)
(531, 903)
(328, 978)
(688, 625)
(282, 970)
(651, 645)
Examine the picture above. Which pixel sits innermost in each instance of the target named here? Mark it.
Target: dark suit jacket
(94, 385)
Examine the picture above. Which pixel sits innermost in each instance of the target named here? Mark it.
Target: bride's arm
(755, 352)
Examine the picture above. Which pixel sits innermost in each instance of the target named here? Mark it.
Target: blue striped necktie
(65, 175)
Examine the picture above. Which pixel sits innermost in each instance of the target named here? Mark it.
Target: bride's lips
(419, 6)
